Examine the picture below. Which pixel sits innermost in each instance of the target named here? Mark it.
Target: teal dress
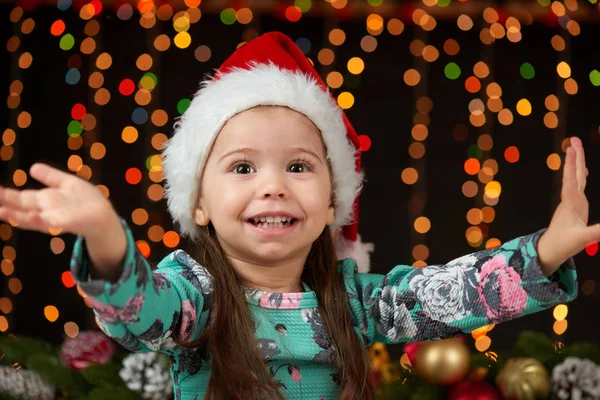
(147, 310)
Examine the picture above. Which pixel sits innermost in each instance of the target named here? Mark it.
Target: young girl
(263, 174)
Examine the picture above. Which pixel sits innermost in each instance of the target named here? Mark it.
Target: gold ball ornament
(524, 379)
(443, 362)
(478, 373)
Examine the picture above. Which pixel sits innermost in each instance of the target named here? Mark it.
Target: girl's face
(267, 162)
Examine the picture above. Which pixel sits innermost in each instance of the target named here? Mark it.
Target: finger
(21, 199)
(579, 162)
(29, 220)
(569, 184)
(50, 176)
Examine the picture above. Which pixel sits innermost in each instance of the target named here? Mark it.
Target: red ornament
(473, 390)
(411, 351)
(87, 348)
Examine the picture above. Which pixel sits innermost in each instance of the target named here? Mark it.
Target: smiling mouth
(262, 223)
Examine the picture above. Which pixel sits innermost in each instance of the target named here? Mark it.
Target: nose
(274, 185)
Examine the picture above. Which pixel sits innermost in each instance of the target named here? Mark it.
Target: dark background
(384, 110)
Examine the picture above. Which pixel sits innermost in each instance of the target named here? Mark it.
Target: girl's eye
(301, 166)
(243, 168)
(297, 167)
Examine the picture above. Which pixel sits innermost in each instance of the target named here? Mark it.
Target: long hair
(237, 367)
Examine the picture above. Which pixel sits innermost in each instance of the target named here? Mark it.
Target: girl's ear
(201, 217)
(330, 215)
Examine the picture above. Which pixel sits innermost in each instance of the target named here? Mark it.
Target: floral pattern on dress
(129, 341)
(268, 348)
(447, 292)
(500, 290)
(127, 314)
(320, 336)
(188, 320)
(391, 315)
(157, 338)
(160, 282)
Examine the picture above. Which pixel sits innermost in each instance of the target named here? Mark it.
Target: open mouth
(272, 222)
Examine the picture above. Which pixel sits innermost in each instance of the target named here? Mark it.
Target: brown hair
(237, 368)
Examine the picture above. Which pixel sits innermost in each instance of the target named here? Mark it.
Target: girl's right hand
(68, 202)
(75, 206)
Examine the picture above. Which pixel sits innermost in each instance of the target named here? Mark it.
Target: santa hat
(269, 70)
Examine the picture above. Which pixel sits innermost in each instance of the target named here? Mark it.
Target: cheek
(227, 199)
(317, 197)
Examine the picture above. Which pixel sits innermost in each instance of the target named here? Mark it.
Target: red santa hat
(269, 70)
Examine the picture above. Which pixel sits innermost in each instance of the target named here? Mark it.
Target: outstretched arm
(441, 301)
(75, 206)
(523, 276)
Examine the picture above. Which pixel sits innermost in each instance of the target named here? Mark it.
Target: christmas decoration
(147, 374)
(28, 362)
(443, 362)
(516, 375)
(28, 356)
(523, 379)
(85, 349)
(379, 355)
(411, 350)
(473, 390)
(23, 384)
(576, 378)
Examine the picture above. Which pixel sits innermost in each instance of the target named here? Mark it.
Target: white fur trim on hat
(358, 250)
(218, 100)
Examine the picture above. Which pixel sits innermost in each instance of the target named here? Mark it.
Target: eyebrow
(250, 150)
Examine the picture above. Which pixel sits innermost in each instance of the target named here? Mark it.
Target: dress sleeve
(443, 301)
(147, 310)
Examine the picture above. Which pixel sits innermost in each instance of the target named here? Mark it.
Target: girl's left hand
(569, 233)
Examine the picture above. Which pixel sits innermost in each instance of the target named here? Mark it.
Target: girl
(262, 171)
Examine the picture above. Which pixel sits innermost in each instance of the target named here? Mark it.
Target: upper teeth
(272, 219)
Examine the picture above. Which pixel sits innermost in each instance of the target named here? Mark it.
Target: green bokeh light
(452, 70)
(527, 71)
(595, 77)
(183, 105)
(74, 128)
(475, 152)
(67, 42)
(303, 5)
(228, 16)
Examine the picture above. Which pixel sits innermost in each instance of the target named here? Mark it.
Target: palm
(572, 214)
(69, 203)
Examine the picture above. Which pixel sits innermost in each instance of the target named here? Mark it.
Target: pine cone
(24, 384)
(147, 374)
(576, 378)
